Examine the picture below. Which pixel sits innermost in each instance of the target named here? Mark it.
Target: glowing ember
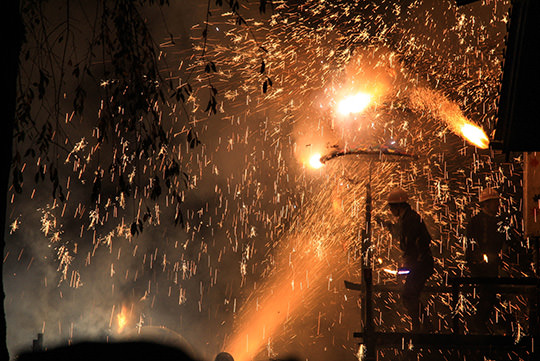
(315, 161)
(354, 104)
(475, 135)
(399, 271)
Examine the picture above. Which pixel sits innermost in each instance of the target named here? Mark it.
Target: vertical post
(13, 41)
(534, 320)
(455, 301)
(536, 245)
(534, 317)
(367, 274)
(37, 345)
(531, 211)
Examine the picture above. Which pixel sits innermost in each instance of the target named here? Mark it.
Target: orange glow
(354, 104)
(315, 161)
(336, 205)
(278, 299)
(122, 319)
(264, 321)
(486, 259)
(338, 194)
(475, 135)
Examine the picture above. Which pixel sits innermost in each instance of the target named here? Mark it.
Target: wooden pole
(367, 274)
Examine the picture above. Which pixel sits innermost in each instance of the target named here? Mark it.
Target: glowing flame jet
(475, 135)
(354, 104)
(449, 112)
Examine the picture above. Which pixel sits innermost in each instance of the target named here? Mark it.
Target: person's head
(224, 356)
(489, 201)
(397, 201)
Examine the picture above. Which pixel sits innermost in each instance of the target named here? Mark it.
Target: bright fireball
(354, 104)
(475, 135)
(315, 161)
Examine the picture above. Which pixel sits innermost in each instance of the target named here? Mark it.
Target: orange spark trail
(449, 112)
(280, 298)
(263, 322)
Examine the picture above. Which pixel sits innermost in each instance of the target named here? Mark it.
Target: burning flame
(315, 161)
(354, 104)
(486, 259)
(449, 112)
(475, 135)
(122, 319)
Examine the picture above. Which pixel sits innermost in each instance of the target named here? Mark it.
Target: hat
(397, 195)
(487, 194)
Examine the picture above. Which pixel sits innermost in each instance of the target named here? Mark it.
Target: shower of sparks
(267, 243)
(302, 268)
(354, 104)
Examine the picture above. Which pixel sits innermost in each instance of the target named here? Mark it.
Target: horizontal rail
(446, 340)
(505, 285)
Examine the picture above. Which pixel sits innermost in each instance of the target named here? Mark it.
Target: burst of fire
(486, 259)
(475, 135)
(354, 104)
(122, 319)
(315, 161)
